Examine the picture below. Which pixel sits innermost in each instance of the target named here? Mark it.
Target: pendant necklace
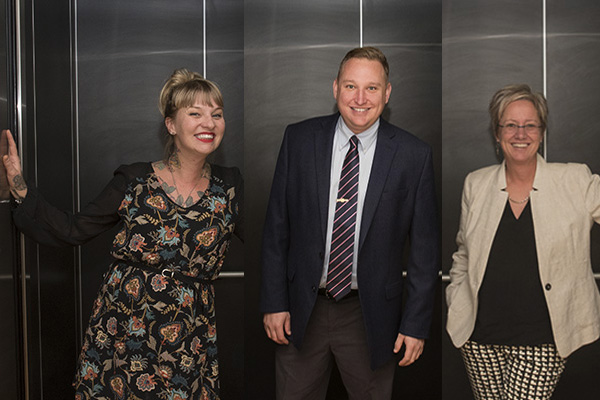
(205, 169)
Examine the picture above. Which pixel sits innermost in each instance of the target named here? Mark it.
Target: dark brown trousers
(336, 331)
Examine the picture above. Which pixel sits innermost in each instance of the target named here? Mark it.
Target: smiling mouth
(360, 109)
(205, 136)
(520, 145)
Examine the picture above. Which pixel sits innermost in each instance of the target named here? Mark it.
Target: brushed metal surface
(573, 101)
(9, 362)
(574, 89)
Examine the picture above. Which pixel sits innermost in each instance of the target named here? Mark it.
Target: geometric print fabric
(502, 372)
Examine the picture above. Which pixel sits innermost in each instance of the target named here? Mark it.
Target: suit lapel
(323, 150)
(382, 161)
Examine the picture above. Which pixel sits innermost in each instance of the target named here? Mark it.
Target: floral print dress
(151, 336)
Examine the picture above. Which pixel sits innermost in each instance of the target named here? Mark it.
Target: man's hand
(277, 325)
(414, 348)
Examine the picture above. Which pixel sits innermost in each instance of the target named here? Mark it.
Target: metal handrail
(446, 277)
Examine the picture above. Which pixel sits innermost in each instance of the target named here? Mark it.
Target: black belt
(325, 293)
(166, 272)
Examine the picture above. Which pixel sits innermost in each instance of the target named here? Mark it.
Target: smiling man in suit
(350, 192)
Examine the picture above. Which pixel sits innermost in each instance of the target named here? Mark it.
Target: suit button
(321, 256)
(314, 289)
(548, 286)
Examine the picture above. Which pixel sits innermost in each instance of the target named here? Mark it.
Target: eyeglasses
(513, 128)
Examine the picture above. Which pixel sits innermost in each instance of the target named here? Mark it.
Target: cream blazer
(565, 202)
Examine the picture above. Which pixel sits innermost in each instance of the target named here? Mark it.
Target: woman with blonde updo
(152, 332)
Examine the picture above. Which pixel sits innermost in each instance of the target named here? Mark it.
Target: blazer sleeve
(592, 192)
(48, 225)
(460, 258)
(423, 264)
(275, 243)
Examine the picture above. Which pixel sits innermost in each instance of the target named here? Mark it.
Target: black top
(53, 227)
(512, 307)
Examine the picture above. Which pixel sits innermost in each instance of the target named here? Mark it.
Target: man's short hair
(370, 53)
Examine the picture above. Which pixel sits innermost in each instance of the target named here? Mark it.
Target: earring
(172, 133)
(497, 148)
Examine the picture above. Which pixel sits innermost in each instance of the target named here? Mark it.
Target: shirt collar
(365, 138)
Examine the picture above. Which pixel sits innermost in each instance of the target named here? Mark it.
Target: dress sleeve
(47, 225)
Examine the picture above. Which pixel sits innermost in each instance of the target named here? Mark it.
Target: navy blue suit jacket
(399, 210)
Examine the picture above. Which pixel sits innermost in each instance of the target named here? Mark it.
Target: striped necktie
(339, 274)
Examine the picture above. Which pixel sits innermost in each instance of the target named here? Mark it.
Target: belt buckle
(168, 273)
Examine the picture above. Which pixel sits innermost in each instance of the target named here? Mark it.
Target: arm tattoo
(19, 183)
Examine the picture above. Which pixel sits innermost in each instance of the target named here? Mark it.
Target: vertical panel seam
(361, 23)
(35, 147)
(22, 266)
(204, 38)
(76, 164)
(544, 71)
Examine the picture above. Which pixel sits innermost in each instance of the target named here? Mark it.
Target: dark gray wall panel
(51, 302)
(573, 101)
(397, 23)
(574, 89)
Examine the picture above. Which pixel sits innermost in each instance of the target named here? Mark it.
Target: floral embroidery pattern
(157, 202)
(170, 333)
(151, 336)
(117, 385)
(206, 237)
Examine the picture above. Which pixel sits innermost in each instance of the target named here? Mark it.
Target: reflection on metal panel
(574, 89)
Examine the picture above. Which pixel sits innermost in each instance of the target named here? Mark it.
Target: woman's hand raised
(12, 163)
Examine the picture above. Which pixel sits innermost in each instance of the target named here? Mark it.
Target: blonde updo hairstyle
(182, 90)
(511, 93)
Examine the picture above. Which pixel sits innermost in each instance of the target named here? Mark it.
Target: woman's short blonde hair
(508, 94)
(182, 90)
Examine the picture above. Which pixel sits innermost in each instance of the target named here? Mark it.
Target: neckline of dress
(160, 182)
